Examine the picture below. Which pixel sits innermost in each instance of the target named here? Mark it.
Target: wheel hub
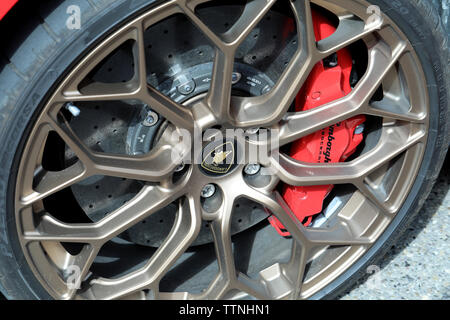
(219, 158)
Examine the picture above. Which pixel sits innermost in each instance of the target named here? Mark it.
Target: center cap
(219, 158)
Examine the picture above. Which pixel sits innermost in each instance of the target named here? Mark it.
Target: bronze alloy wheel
(99, 197)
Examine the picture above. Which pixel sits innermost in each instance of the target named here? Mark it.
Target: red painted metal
(333, 144)
(5, 6)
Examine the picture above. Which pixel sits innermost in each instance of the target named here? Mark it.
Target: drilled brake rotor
(117, 131)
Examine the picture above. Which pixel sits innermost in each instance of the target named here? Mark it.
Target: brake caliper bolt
(266, 89)
(252, 169)
(359, 129)
(150, 119)
(208, 191)
(179, 167)
(331, 61)
(186, 88)
(236, 76)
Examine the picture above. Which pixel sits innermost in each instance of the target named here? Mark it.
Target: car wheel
(215, 150)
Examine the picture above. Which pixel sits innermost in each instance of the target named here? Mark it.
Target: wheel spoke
(340, 234)
(389, 110)
(101, 91)
(227, 277)
(156, 165)
(33, 164)
(376, 198)
(253, 12)
(177, 114)
(305, 27)
(252, 287)
(188, 8)
(295, 269)
(174, 296)
(271, 107)
(133, 31)
(71, 139)
(349, 30)
(300, 124)
(139, 56)
(148, 201)
(393, 142)
(272, 201)
(52, 182)
(136, 167)
(222, 240)
(83, 261)
(219, 95)
(185, 230)
(135, 89)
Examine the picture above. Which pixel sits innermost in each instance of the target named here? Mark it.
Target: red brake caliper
(327, 82)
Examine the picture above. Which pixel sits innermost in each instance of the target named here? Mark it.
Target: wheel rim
(380, 177)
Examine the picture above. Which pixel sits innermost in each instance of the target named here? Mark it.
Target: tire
(41, 52)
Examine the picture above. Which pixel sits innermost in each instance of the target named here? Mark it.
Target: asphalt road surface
(418, 266)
